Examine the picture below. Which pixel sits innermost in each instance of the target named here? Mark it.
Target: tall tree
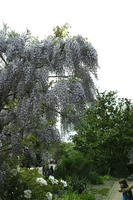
(105, 133)
(29, 100)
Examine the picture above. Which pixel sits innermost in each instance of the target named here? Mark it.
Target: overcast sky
(108, 24)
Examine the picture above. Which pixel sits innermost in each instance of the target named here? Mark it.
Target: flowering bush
(27, 183)
(27, 194)
(41, 181)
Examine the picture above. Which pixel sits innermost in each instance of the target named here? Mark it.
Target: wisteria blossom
(40, 81)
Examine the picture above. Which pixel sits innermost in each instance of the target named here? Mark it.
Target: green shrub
(94, 178)
(71, 196)
(73, 163)
(87, 196)
(29, 183)
(103, 191)
(77, 184)
(106, 177)
(74, 196)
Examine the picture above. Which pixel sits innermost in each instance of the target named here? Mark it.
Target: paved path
(114, 194)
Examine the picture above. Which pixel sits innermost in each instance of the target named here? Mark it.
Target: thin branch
(1, 56)
(58, 76)
(55, 110)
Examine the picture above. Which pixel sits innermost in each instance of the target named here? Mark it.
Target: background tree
(105, 133)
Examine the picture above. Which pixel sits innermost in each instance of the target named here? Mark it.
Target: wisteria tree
(40, 80)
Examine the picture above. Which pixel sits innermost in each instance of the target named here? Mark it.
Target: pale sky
(108, 24)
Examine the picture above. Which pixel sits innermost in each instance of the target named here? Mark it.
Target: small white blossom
(64, 183)
(51, 178)
(40, 170)
(31, 168)
(49, 195)
(41, 181)
(27, 194)
(55, 181)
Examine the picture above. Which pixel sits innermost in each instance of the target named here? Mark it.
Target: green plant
(28, 183)
(75, 196)
(94, 178)
(77, 184)
(71, 196)
(87, 196)
(103, 191)
(104, 134)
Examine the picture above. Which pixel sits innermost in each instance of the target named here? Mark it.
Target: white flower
(49, 195)
(41, 181)
(31, 168)
(64, 183)
(27, 194)
(55, 181)
(40, 170)
(51, 178)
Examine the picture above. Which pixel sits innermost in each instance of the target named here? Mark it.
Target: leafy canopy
(105, 132)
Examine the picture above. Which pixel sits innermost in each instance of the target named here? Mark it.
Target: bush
(71, 196)
(103, 191)
(74, 196)
(28, 183)
(94, 178)
(76, 184)
(68, 165)
(87, 196)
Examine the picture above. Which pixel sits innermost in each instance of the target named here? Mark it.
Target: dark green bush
(74, 163)
(76, 184)
(94, 178)
(75, 196)
(87, 196)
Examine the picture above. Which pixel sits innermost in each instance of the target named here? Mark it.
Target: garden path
(114, 194)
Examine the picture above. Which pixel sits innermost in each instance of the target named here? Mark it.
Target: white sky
(108, 24)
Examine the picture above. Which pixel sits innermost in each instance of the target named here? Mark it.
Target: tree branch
(58, 76)
(1, 56)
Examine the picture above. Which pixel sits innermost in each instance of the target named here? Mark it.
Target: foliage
(103, 191)
(41, 80)
(75, 167)
(61, 150)
(87, 196)
(77, 184)
(69, 162)
(28, 182)
(61, 31)
(30, 102)
(105, 133)
(94, 178)
(74, 196)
